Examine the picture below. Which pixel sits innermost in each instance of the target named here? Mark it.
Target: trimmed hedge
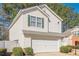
(17, 51)
(29, 51)
(66, 49)
(3, 51)
(70, 46)
(76, 47)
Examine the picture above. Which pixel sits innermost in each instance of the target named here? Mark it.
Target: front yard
(18, 51)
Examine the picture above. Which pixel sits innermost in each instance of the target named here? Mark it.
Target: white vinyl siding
(53, 25)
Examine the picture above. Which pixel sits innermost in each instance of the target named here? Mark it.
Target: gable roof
(67, 32)
(22, 11)
(44, 5)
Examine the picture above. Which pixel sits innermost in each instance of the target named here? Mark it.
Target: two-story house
(38, 27)
(73, 36)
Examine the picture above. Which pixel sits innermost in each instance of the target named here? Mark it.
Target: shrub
(17, 51)
(65, 49)
(70, 47)
(77, 47)
(29, 51)
(3, 51)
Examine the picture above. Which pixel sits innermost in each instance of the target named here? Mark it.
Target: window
(76, 33)
(39, 22)
(35, 21)
(32, 21)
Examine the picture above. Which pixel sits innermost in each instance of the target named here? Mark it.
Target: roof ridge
(54, 13)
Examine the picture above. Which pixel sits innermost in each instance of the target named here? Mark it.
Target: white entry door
(43, 45)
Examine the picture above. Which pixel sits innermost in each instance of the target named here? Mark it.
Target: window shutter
(28, 20)
(42, 22)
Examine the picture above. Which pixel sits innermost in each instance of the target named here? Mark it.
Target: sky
(73, 5)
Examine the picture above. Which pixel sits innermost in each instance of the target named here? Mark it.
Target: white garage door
(45, 45)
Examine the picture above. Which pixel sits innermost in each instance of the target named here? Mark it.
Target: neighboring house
(38, 27)
(74, 33)
(71, 36)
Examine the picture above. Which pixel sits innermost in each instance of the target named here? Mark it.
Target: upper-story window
(35, 21)
(32, 21)
(39, 22)
(76, 33)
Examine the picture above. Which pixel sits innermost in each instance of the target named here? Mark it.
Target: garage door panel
(44, 45)
(45, 42)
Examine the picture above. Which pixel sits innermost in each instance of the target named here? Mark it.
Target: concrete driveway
(53, 54)
(58, 53)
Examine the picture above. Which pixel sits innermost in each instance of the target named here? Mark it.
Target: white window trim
(39, 22)
(36, 22)
(31, 21)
